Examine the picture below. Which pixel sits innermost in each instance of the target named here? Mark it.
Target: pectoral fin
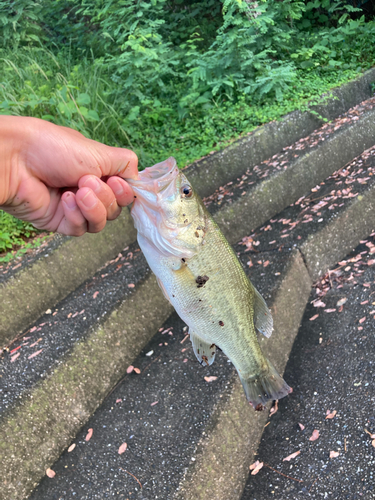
(262, 315)
(162, 287)
(204, 351)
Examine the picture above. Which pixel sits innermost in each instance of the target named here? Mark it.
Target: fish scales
(203, 279)
(232, 307)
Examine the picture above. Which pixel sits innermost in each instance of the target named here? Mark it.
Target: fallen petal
(122, 448)
(314, 317)
(71, 447)
(275, 407)
(137, 371)
(255, 467)
(13, 358)
(293, 455)
(130, 369)
(154, 403)
(319, 303)
(50, 473)
(302, 427)
(330, 415)
(314, 436)
(252, 466)
(372, 436)
(95, 295)
(89, 434)
(35, 354)
(333, 454)
(210, 379)
(341, 302)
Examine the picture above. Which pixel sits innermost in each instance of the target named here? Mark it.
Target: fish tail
(268, 385)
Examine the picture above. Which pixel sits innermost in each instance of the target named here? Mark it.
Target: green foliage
(20, 22)
(175, 77)
(13, 231)
(177, 55)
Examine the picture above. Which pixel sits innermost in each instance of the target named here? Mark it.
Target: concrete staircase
(293, 198)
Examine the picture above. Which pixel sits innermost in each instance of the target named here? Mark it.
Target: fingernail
(117, 188)
(89, 200)
(70, 201)
(93, 183)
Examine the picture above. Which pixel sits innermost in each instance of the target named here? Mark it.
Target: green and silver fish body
(202, 278)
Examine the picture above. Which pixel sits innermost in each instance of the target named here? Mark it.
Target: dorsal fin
(262, 315)
(204, 351)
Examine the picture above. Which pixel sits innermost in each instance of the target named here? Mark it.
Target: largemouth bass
(202, 278)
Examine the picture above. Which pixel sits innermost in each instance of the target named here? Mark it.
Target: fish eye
(186, 191)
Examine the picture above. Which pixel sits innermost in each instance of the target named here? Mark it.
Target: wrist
(13, 135)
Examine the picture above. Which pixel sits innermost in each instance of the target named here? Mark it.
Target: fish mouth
(157, 178)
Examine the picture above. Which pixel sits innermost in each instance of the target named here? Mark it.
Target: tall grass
(36, 83)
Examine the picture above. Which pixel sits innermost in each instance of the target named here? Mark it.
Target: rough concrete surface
(323, 250)
(39, 287)
(331, 369)
(71, 322)
(190, 415)
(282, 187)
(159, 413)
(35, 432)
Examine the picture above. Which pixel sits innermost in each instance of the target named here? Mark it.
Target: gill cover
(162, 212)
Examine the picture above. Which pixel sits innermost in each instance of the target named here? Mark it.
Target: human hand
(59, 180)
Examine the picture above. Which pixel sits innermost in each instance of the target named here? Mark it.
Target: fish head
(167, 211)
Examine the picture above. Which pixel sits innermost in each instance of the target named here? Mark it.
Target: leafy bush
(13, 232)
(20, 22)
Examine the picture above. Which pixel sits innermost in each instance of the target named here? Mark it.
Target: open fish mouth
(155, 179)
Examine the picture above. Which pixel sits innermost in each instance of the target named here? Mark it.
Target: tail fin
(268, 385)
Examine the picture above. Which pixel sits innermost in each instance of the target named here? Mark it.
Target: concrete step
(199, 439)
(65, 263)
(288, 175)
(332, 369)
(39, 280)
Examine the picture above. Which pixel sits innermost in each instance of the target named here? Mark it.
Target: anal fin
(204, 351)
